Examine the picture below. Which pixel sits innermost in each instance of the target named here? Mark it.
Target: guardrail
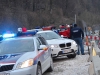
(94, 68)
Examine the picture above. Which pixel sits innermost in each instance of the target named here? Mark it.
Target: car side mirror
(43, 47)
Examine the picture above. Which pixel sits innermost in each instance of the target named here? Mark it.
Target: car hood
(59, 41)
(13, 58)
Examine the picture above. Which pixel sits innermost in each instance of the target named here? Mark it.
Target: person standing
(77, 34)
(71, 26)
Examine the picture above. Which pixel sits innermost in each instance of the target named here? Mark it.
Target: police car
(29, 55)
(60, 46)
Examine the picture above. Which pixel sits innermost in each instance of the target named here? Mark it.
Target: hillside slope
(31, 13)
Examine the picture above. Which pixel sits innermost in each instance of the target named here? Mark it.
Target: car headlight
(54, 46)
(25, 64)
(73, 42)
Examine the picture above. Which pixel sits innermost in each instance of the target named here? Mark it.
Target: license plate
(4, 74)
(66, 51)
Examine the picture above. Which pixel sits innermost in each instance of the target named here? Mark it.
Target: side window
(38, 43)
(43, 41)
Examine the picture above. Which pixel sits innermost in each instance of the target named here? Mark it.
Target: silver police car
(29, 55)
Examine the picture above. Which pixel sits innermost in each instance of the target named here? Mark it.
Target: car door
(47, 53)
(41, 54)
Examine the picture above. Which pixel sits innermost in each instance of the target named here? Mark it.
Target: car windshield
(50, 35)
(16, 46)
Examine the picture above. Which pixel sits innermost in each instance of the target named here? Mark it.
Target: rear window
(16, 46)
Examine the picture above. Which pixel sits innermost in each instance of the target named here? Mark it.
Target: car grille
(65, 45)
(6, 67)
(62, 45)
(68, 44)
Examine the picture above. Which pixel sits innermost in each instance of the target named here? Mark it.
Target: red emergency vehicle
(48, 28)
(65, 31)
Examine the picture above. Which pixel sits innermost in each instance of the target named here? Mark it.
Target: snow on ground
(75, 66)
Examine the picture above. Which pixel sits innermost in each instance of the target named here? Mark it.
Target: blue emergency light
(8, 35)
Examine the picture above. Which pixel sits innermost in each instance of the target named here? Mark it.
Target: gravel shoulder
(75, 66)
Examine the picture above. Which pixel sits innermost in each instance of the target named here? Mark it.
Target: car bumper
(60, 51)
(74, 47)
(25, 71)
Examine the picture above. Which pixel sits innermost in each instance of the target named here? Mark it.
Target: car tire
(50, 69)
(71, 56)
(39, 70)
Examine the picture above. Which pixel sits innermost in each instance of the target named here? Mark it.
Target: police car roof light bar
(28, 33)
(8, 35)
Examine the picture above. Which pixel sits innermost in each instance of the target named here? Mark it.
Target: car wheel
(71, 56)
(39, 71)
(50, 69)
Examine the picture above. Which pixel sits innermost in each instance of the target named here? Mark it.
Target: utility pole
(50, 11)
(75, 18)
(51, 6)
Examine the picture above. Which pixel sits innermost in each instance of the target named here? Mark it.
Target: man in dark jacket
(77, 35)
